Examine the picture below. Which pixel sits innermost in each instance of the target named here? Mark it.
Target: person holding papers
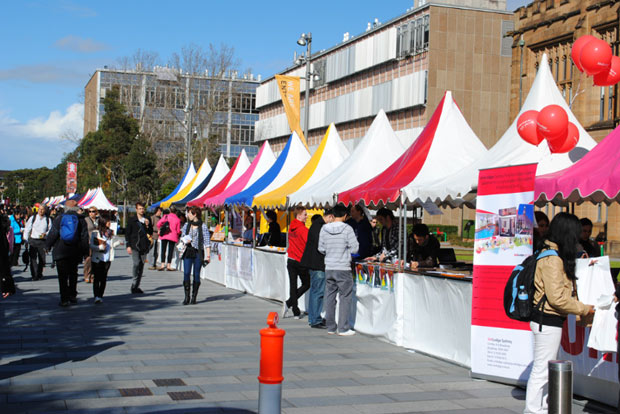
(197, 253)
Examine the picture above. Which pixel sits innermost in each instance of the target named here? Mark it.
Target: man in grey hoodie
(337, 242)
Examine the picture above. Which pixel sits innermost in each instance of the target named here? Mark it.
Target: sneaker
(347, 333)
(136, 291)
(297, 317)
(153, 268)
(98, 300)
(331, 332)
(318, 326)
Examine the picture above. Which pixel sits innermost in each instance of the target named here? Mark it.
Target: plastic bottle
(523, 303)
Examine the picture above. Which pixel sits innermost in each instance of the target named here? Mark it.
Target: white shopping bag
(603, 332)
(593, 279)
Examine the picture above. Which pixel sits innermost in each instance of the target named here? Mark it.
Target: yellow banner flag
(289, 91)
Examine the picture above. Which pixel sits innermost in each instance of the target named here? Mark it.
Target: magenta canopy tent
(594, 178)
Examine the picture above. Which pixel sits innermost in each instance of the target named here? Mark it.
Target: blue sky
(50, 48)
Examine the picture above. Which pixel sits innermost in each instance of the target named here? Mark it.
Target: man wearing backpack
(69, 240)
(37, 228)
(138, 244)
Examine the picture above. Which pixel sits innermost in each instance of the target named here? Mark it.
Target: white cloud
(79, 44)
(38, 142)
(51, 128)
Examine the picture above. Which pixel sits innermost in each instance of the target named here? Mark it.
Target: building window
(564, 63)
(610, 99)
(550, 4)
(602, 105)
(557, 69)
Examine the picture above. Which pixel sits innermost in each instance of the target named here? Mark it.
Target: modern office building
(404, 66)
(170, 105)
(551, 27)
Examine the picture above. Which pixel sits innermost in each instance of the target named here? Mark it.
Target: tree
(116, 157)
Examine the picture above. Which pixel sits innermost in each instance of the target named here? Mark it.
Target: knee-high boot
(195, 292)
(186, 286)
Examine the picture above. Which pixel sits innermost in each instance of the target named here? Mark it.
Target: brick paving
(149, 354)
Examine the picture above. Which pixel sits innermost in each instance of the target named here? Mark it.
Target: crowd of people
(74, 236)
(321, 259)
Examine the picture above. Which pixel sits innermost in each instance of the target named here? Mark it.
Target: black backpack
(519, 290)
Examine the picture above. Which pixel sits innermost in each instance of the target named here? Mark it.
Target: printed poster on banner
(71, 178)
(501, 347)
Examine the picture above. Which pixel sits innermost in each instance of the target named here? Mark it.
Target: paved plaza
(149, 354)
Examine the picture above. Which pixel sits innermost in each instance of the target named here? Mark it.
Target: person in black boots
(69, 240)
(195, 235)
(138, 244)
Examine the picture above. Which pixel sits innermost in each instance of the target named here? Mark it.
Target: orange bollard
(270, 376)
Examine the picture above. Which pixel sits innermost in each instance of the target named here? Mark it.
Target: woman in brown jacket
(555, 287)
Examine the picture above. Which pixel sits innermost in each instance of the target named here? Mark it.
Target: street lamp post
(306, 40)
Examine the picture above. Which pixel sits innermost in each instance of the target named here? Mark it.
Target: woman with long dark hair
(195, 235)
(102, 246)
(555, 297)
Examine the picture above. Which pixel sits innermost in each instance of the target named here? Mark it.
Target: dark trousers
(100, 271)
(167, 245)
(67, 278)
(37, 258)
(295, 269)
(138, 268)
(15, 255)
(156, 244)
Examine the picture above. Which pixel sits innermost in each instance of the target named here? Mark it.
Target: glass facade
(223, 109)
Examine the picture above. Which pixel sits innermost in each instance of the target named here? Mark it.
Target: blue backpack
(69, 228)
(520, 289)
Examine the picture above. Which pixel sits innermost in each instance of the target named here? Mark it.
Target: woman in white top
(197, 253)
(102, 246)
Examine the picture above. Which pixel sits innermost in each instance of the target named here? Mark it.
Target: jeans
(138, 268)
(67, 278)
(187, 268)
(296, 269)
(169, 246)
(338, 282)
(37, 258)
(317, 291)
(546, 346)
(100, 271)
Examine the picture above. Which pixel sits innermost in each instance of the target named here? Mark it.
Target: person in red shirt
(297, 237)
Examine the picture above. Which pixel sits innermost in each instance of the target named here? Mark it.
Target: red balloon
(609, 77)
(526, 127)
(561, 146)
(578, 45)
(595, 56)
(552, 122)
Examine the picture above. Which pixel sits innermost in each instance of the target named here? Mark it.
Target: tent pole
(254, 228)
(226, 225)
(400, 232)
(288, 226)
(405, 238)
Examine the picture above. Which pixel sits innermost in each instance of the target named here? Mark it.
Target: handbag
(26, 256)
(164, 229)
(603, 333)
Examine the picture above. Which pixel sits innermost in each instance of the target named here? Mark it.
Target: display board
(501, 347)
